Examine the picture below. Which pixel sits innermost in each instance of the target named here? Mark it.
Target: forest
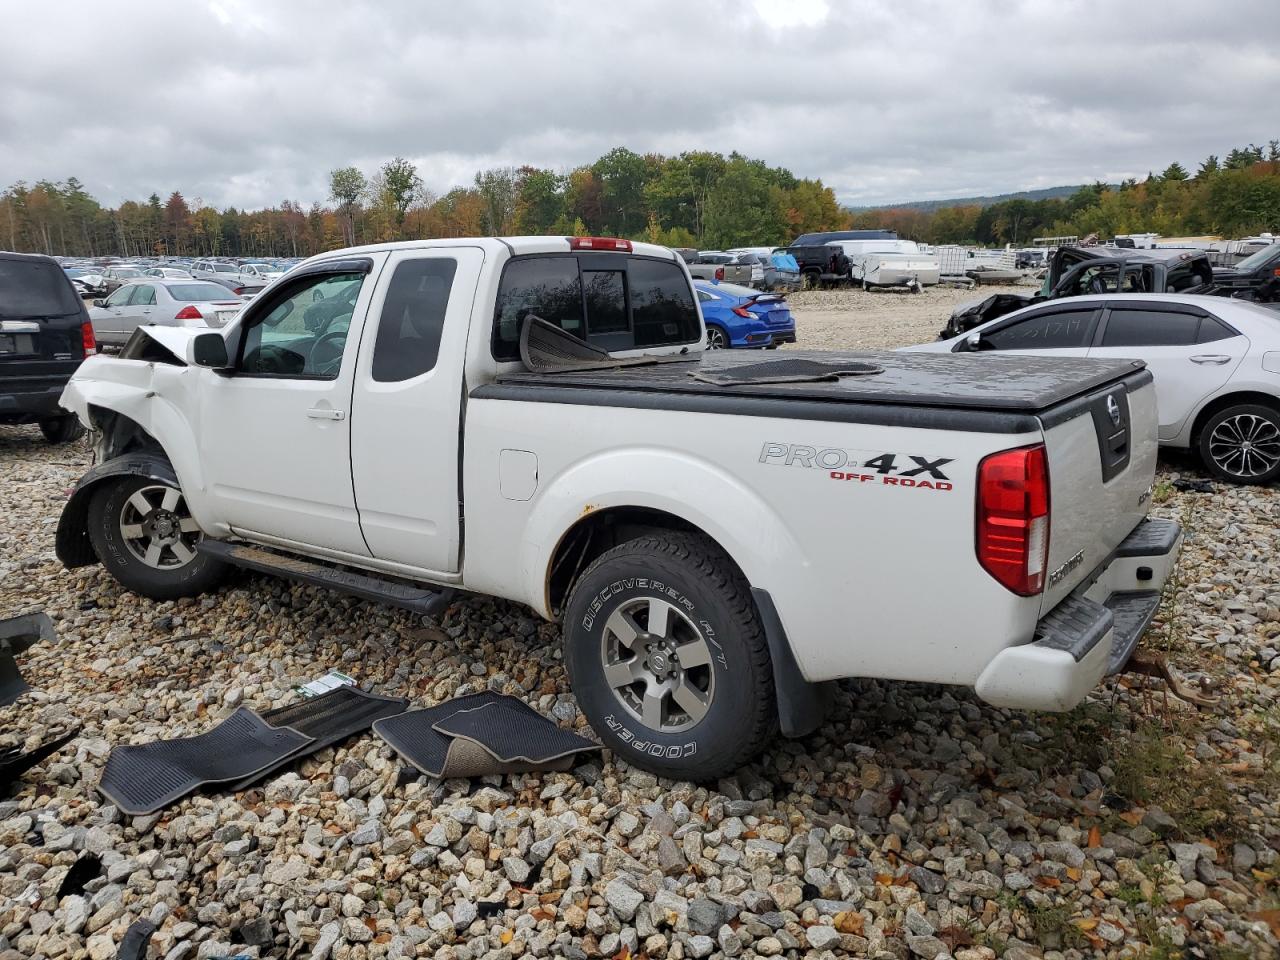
(696, 199)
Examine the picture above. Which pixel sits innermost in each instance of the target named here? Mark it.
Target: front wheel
(668, 659)
(1242, 444)
(62, 429)
(146, 537)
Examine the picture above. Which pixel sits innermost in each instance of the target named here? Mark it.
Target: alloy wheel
(158, 529)
(658, 664)
(716, 340)
(1245, 445)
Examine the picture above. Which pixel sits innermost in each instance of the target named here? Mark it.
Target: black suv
(44, 334)
(1256, 277)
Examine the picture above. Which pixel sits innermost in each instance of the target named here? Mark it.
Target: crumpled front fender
(72, 544)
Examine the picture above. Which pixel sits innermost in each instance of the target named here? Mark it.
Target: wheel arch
(1218, 404)
(72, 543)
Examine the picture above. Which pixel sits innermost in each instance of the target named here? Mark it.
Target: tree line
(695, 199)
(1235, 196)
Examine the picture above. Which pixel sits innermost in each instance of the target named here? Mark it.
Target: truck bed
(950, 388)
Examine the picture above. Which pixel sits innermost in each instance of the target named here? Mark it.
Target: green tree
(622, 179)
(1174, 171)
(346, 185)
(499, 191)
(539, 201)
(401, 186)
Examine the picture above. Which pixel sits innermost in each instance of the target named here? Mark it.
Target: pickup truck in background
(727, 268)
(719, 534)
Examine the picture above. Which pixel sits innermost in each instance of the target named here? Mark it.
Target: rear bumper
(1090, 634)
(31, 398)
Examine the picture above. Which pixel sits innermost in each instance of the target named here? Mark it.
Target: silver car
(229, 275)
(169, 273)
(169, 303)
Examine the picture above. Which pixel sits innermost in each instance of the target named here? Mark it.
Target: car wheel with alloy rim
(717, 339)
(1242, 444)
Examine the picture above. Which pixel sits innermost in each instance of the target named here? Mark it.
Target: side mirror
(100, 302)
(973, 343)
(208, 350)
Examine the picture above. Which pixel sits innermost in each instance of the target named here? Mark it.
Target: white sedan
(171, 303)
(1216, 364)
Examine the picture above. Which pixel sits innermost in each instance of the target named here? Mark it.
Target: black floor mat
(796, 370)
(142, 779)
(520, 734)
(14, 763)
(327, 719)
(510, 735)
(16, 635)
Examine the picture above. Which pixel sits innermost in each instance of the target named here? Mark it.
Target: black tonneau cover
(990, 382)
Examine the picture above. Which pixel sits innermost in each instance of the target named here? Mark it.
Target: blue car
(741, 317)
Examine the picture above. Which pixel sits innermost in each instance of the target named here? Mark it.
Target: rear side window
(413, 319)
(1044, 331)
(33, 288)
(1150, 328)
(613, 302)
(1212, 329)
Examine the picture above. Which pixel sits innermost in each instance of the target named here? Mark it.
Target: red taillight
(238, 291)
(745, 313)
(86, 338)
(1013, 518)
(719, 273)
(599, 243)
(188, 313)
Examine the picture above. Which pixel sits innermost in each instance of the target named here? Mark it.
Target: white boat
(889, 263)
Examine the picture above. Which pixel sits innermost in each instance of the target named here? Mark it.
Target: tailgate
(1102, 456)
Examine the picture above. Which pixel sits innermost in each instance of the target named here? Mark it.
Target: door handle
(326, 413)
(1215, 358)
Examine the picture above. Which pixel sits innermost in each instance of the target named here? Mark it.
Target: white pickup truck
(717, 552)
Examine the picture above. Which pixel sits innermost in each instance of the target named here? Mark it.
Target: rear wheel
(717, 339)
(146, 537)
(668, 659)
(62, 429)
(1242, 444)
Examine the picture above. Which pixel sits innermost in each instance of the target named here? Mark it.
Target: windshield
(1257, 259)
(34, 288)
(194, 292)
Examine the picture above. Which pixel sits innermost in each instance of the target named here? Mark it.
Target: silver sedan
(164, 302)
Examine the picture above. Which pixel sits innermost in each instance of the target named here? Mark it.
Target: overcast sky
(250, 102)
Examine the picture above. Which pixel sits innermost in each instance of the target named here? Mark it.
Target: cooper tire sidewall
(593, 601)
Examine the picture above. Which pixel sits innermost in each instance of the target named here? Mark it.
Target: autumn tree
(346, 185)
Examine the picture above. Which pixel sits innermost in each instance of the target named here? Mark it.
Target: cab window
(302, 330)
(1052, 330)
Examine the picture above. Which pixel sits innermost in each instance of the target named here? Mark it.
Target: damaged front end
(136, 408)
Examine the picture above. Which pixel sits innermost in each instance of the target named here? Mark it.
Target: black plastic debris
(1193, 486)
(14, 763)
(481, 734)
(16, 635)
(134, 944)
(85, 870)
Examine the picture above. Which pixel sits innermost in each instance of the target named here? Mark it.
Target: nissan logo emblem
(1113, 409)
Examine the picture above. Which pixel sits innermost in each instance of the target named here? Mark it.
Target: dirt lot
(919, 822)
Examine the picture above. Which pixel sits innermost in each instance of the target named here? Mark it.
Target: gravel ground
(918, 822)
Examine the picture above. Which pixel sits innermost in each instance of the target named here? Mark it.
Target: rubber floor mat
(798, 370)
(14, 763)
(327, 719)
(142, 779)
(417, 737)
(510, 735)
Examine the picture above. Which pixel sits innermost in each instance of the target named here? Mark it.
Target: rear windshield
(225, 268)
(614, 302)
(196, 292)
(33, 288)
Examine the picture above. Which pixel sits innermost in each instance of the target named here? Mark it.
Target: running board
(397, 593)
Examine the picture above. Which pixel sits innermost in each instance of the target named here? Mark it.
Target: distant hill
(1048, 193)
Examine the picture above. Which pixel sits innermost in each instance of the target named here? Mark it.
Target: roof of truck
(515, 246)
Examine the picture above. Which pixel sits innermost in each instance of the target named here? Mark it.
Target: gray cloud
(247, 103)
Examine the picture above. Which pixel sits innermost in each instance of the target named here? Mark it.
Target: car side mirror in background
(100, 303)
(209, 350)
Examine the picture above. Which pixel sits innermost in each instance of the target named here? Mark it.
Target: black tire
(707, 601)
(1241, 444)
(106, 521)
(62, 429)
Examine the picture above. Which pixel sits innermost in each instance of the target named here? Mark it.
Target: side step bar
(368, 586)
